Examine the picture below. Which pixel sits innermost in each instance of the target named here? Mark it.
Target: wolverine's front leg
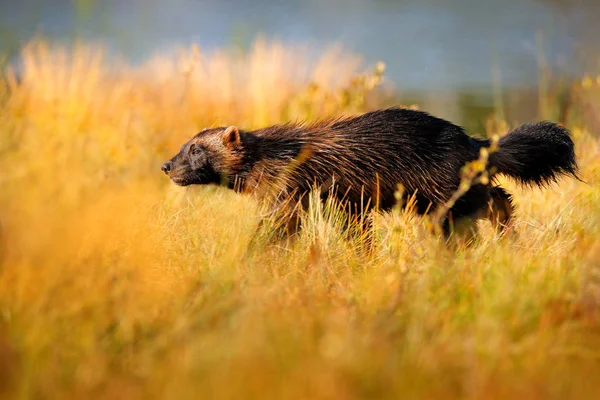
(281, 221)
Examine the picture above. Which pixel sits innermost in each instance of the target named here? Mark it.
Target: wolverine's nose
(166, 167)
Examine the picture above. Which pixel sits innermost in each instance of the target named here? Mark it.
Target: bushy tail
(535, 154)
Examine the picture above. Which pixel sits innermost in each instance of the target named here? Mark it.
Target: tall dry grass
(116, 284)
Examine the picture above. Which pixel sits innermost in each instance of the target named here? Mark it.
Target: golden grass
(116, 284)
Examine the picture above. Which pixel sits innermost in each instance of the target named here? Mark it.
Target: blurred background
(115, 283)
(457, 59)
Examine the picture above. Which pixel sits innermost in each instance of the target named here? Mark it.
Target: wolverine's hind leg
(480, 202)
(500, 208)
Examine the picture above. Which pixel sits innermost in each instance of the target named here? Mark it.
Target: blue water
(427, 45)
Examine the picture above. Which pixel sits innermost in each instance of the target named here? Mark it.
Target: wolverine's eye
(195, 150)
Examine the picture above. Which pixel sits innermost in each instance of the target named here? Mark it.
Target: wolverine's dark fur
(361, 160)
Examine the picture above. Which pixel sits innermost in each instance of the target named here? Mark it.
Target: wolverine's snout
(166, 167)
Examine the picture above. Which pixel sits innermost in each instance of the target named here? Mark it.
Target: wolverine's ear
(231, 136)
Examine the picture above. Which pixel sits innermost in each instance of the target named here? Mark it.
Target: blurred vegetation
(116, 284)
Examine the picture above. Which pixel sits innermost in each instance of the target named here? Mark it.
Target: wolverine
(361, 160)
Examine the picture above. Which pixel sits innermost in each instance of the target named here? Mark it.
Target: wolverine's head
(212, 156)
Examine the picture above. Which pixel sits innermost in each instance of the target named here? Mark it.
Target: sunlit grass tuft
(115, 283)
